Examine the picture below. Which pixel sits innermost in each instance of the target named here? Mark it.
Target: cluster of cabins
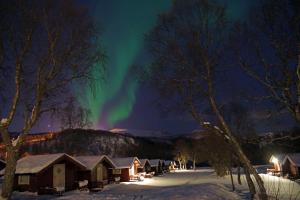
(61, 172)
(286, 165)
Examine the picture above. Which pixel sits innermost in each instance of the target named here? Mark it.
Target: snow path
(201, 184)
(194, 185)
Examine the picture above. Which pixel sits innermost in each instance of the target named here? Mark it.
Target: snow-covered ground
(199, 184)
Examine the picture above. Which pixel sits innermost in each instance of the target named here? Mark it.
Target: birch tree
(268, 49)
(188, 49)
(44, 46)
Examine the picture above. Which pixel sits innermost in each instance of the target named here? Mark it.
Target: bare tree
(188, 47)
(219, 155)
(72, 115)
(181, 153)
(238, 117)
(45, 46)
(269, 51)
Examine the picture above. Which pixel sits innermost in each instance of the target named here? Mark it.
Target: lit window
(23, 179)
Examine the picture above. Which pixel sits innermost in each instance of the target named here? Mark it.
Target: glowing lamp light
(274, 160)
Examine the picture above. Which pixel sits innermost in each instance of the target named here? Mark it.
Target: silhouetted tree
(188, 47)
(181, 152)
(269, 51)
(44, 46)
(73, 115)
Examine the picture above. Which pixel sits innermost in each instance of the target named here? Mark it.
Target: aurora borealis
(125, 23)
(119, 101)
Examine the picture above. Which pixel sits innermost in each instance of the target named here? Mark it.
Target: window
(116, 171)
(23, 179)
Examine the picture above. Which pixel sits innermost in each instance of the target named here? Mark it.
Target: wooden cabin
(291, 165)
(156, 166)
(99, 170)
(126, 168)
(276, 160)
(145, 166)
(163, 165)
(170, 165)
(47, 173)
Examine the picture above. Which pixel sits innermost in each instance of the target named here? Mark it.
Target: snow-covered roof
(36, 163)
(280, 157)
(143, 162)
(154, 162)
(168, 162)
(295, 158)
(124, 162)
(91, 161)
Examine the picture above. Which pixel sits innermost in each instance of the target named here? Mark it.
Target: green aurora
(125, 23)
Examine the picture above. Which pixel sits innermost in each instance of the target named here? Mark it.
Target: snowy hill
(141, 133)
(92, 142)
(123, 143)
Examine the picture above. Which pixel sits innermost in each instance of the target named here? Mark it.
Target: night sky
(121, 101)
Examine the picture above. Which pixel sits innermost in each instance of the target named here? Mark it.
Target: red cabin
(126, 168)
(98, 172)
(52, 172)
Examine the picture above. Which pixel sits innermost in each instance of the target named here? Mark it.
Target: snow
(124, 162)
(3, 121)
(36, 163)
(14, 142)
(143, 162)
(281, 188)
(83, 183)
(154, 162)
(91, 161)
(280, 157)
(168, 162)
(180, 185)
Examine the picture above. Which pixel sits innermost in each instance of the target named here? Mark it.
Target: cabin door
(59, 175)
(100, 173)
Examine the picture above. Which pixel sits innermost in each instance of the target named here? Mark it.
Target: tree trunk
(7, 186)
(263, 194)
(236, 146)
(180, 167)
(194, 163)
(239, 175)
(250, 183)
(233, 187)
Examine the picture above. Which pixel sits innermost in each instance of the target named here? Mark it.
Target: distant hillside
(92, 142)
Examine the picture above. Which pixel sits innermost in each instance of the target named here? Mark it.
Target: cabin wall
(155, 169)
(289, 168)
(45, 178)
(32, 183)
(293, 170)
(141, 169)
(84, 175)
(124, 176)
(146, 168)
(71, 176)
(106, 172)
